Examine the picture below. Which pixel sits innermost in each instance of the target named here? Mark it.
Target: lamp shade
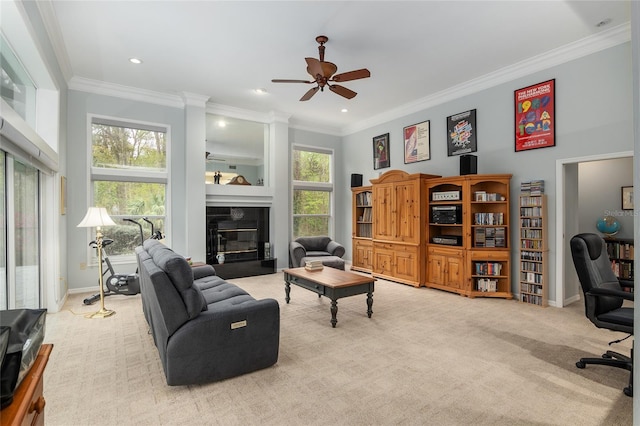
(96, 217)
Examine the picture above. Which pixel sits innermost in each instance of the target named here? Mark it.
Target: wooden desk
(28, 403)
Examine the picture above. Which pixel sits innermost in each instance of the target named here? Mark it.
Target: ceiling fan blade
(309, 94)
(352, 75)
(313, 67)
(278, 80)
(342, 91)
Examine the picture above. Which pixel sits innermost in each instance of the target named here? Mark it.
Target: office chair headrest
(594, 244)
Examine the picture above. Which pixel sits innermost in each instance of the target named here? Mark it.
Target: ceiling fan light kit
(323, 72)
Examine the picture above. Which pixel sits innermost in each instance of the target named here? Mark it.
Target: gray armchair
(323, 248)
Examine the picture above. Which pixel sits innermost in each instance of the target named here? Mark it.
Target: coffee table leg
(334, 312)
(287, 290)
(369, 304)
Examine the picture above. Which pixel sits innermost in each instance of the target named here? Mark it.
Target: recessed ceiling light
(604, 22)
(222, 123)
(344, 110)
(135, 61)
(260, 91)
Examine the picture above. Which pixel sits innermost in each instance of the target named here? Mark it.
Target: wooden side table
(28, 403)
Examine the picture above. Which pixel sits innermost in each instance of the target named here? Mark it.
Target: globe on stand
(608, 225)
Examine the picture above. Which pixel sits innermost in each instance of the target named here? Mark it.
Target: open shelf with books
(490, 276)
(533, 244)
(362, 229)
(621, 251)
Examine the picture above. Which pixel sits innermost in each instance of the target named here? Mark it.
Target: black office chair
(603, 298)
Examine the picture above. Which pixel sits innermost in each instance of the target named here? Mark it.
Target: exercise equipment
(126, 284)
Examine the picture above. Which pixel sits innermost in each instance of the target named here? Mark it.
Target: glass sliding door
(3, 235)
(27, 235)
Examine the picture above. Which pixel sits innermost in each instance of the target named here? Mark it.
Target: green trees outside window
(129, 176)
(312, 193)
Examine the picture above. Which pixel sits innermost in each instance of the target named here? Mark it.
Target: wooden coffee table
(332, 283)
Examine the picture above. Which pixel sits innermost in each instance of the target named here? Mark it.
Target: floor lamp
(98, 217)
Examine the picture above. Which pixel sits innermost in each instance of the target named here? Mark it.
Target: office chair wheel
(628, 391)
(580, 364)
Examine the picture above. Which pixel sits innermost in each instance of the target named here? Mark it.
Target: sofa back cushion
(180, 275)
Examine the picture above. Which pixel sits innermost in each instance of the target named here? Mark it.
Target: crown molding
(575, 50)
(194, 99)
(125, 92)
(240, 113)
(313, 127)
(52, 27)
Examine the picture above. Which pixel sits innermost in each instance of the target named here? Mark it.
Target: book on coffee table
(313, 265)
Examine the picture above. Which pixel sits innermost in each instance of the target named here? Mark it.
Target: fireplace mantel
(234, 195)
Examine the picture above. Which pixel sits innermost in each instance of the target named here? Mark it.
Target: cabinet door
(384, 216)
(406, 264)
(454, 271)
(435, 269)
(407, 196)
(368, 257)
(383, 261)
(363, 254)
(445, 267)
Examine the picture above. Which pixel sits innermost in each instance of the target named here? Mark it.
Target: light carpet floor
(425, 357)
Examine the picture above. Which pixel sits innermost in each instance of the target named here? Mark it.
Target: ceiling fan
(323, 74)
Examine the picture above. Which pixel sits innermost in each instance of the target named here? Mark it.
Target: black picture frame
(627, 197)
(462, 133)
(381, 158)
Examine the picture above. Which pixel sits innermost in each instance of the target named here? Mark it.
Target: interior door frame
(567, 220)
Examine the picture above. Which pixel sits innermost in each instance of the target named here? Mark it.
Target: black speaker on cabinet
(356, 180)
(468, 164)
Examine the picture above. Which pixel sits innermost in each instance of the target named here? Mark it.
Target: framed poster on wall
(462, 133)
(381, 158)
(535, 116)
(417, 144)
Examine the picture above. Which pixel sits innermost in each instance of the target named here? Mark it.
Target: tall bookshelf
(621, 251)
(533, 244)
(362, 229)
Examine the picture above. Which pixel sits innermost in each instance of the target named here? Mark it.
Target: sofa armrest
(203, 271)
(296, 253)
(222, 343)
(335, 249)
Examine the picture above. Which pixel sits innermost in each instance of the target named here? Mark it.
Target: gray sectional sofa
(205, 328)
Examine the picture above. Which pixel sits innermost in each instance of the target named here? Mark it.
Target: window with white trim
(312, 191)
(129, 177)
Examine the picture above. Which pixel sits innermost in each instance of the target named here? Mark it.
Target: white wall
(599, 184)
(594, 116)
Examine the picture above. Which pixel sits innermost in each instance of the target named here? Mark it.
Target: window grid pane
(128, 148)
(131, 200)
(311, 202)
(310, 226)
(311, 166)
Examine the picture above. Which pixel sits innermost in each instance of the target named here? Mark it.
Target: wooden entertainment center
(449, 233)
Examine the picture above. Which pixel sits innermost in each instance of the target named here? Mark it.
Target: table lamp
(98, 217)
